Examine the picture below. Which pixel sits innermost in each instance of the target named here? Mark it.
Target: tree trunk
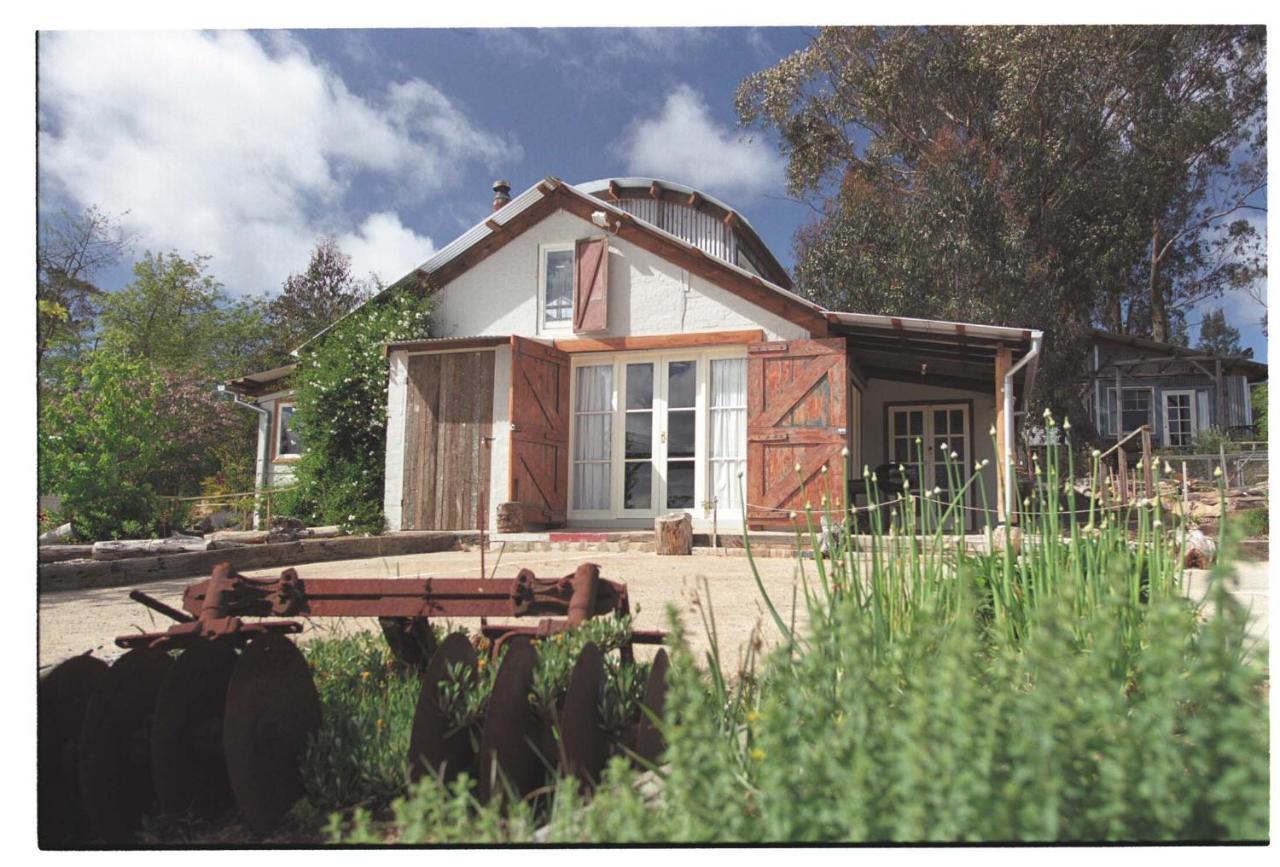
(1159, 311)
(673, 533)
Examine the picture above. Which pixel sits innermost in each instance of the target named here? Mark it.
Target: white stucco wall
(647, 294)
(873, 429)
(393, 487)
(500, 456)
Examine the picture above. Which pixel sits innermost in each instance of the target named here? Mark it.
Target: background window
(289, 444)
(557, 290)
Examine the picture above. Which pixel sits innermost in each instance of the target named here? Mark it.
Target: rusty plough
(217, 710)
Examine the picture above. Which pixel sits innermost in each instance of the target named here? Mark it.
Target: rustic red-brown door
(539, 430)
(796, 417)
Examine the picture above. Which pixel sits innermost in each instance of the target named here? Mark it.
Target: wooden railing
(1119, 480)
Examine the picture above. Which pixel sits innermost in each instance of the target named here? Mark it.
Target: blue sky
(246, 146)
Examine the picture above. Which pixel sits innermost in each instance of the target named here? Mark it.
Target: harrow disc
(649, 743)
(272, 706)
(411, 639)
(187, 762)
(507, 756)
(583, 741)
(114, 747)
(435, 746)
(61, 699)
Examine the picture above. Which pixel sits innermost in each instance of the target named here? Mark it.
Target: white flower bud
(1097, 453)
(844, 452)
(1217, 472)
(992, 431)
(1066, 424)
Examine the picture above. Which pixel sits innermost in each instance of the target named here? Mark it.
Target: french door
(922, 438)
(1179, 417)
(658, 431)
(659, 454)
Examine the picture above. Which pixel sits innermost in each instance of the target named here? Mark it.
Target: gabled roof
(550, 194)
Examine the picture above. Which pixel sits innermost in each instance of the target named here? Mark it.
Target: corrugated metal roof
(666, 185)
(934, 326)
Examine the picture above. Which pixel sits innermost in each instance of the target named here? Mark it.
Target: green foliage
(99, 444)
(1069, 693)
(1255, 523)
(178, 316)
(319, 296)
(71, 250)
(1013, 175)
(341, 413)
(360, 756)
(1217, 336)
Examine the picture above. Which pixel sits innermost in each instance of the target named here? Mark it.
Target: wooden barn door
(540, 430)
(449, 411)
(796, 415)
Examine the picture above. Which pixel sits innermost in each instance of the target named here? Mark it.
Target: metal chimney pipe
(501, 194)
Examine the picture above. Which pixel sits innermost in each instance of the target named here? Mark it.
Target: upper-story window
(556, 282)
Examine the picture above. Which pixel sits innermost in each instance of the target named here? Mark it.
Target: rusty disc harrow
(187, 761)
(584, 743)
(114, 748)
(508, 759)
(436, 745)
(62, 698)
(272, 707)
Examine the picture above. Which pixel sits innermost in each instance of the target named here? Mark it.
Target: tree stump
(510, 518)
(673, 533)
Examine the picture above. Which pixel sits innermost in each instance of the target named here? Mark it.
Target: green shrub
(341, 413)
(1071, 692)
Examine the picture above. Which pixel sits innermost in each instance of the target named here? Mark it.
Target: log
(55, 553)
(320, 533)
(248, 537)
(140, 570)
(673, 533)
(58, 534)
(120, 549)
(510, 517)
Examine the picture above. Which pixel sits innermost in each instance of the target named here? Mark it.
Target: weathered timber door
(796, 416)
(449, 412)
(539, 430)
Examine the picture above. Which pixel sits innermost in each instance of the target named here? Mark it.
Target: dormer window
(557, 285)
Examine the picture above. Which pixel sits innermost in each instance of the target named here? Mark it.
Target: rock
(1201, 551)
(1014, 538)
(56, 535)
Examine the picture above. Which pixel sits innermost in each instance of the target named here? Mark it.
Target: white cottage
(623, 348)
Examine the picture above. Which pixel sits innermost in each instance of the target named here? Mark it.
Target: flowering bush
(340, 410)
(118, 434)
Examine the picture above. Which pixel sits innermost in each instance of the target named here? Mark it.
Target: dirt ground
(72, 622)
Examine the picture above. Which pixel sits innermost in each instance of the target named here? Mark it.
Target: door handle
(664, 436)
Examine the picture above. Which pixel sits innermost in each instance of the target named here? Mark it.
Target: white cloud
(222, 144)
(385, 246)
(684, 143)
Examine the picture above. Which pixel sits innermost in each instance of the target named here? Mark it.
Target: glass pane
(902, 450)
(290, 444)
(917, 423)
(594, 388)
(957, 421)
(680, 485)
(637, 486)
(729, 382)
(592, 436)
(680, 434)
(591, 486)
(559, 288)
(682, 383)
(939, 421)
(639, 434)
(900, 424)
(639, 386)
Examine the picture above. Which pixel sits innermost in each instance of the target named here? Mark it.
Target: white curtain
(592, 437)
(728, 421)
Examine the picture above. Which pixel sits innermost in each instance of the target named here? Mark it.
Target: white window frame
(543, 250)
(1117, 417)
(1192, 400)
(702, 430)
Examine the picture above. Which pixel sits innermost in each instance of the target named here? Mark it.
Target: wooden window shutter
(591, 285)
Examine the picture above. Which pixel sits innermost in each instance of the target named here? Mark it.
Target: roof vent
(501, 193)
